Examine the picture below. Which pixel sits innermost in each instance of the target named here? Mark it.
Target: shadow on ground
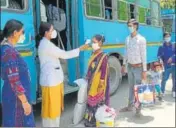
(168, 98)
(132, 118)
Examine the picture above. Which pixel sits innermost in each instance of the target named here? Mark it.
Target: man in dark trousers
(165, 54)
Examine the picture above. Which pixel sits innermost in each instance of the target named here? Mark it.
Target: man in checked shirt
(135, 59)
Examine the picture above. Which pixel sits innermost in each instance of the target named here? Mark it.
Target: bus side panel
(30, 60)
(153, 37)
(115, 33)
(71, 71)
(72, 64)
(83, 55)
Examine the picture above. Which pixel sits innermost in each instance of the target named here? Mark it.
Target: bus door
(22, 10)
(69, 37)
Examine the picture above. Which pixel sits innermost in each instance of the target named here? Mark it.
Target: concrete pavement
(160, 115)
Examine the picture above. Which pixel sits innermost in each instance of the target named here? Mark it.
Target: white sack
(79, 113)
(82, 93)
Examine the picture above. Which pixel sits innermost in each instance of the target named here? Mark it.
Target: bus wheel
(115, 74)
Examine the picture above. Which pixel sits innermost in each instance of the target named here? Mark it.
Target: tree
(169, 4)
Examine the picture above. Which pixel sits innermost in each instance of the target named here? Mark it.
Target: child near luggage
(156, 78)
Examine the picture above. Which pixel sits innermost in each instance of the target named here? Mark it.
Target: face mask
(168, 39)
(131, 29)
(53, 34)
(95, 46)
(21, 39)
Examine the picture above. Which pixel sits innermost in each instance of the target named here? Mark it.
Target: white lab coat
(51, 73)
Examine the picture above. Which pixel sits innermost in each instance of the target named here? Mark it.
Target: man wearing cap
(135, 59)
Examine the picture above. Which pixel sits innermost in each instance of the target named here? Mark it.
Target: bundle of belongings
(105, 116)
(80, 106)
(146, 93)
(57, 17)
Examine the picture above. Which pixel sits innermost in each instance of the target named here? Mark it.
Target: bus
(168, 19)
(85, 18)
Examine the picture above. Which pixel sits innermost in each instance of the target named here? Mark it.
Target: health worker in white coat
(51, 75)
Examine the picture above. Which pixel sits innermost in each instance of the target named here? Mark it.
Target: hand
(161, 61)
(27, 108)
(100, 86)
(123, 70)
(169, 60)
(100, 89)
(144, 75)
(84, 47)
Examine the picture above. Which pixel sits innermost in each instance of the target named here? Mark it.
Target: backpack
(56, 16)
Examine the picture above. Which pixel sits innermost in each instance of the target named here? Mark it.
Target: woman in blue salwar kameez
(16, 106)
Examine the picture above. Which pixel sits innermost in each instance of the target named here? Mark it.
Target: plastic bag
(105, 116)
(144, 94)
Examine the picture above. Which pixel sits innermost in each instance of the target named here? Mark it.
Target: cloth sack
(57, 17)
(82, 93)
(79, 112)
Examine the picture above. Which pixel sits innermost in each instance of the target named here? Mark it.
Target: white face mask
(95, 46)
(21, 39)
(53, 34)
(167, 39)
(131, 29)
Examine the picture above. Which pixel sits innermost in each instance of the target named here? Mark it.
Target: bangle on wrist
(24, 102)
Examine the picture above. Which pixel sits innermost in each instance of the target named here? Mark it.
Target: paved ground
(162, 115)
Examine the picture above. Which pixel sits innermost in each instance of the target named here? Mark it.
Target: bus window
(167, 25)
(155, 13)
(148, 16)
(142, 14)
(94, 8)
(132, 11)
(122, 10)
(108, 9)
(13, 4)
(4, 3)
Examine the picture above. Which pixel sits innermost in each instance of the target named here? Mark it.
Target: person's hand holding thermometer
(88, 41)
(86, 45)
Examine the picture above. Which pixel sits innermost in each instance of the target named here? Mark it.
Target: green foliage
(168, 4)
(93, 8)
(122, 11)
(142, 12)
